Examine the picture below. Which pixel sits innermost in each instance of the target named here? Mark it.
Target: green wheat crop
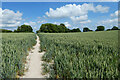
(81, 55)
(13, 53)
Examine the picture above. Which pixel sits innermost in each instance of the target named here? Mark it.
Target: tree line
(22, 28)
(5, 31)
(54, 28)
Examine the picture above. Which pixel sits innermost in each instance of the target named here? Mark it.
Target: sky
(60, 0)
(72, 14)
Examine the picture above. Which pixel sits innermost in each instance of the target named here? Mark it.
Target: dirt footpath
(35, 62)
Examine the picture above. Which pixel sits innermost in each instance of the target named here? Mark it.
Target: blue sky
(59, 0)
(82, 14)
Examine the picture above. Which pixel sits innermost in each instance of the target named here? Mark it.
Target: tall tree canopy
(53, 28)
(86, 29)
(115, 28)
(24, 28)
(75, 30)
(100, 28)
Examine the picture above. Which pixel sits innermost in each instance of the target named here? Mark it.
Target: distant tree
(5, 31)
(86, 29)
(75, 30)
(78, 30)
(108, 30)
(62, 24)
(115, 28)
(100, 28)
(24, 28)
(90, 30)
(37, 31)
(67, 30)
(53, 28)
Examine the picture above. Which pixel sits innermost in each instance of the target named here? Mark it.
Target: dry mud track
(34, 62)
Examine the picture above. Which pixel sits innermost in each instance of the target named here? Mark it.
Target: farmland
(74, 55)
(81, 55)
(14, 49)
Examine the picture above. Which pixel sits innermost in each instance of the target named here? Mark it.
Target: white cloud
(42, 21)
(57, 23)
(100, 8)
(35, 28)
(66, 23)
(77, 13)
(79, 18)
(113, 21)
(70, 10)
(110, 21)
(115, 14)
(30, 23)
(0, 16)
(9, 18)
(84, 22)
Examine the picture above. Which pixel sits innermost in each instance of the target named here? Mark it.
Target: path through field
(35, 63)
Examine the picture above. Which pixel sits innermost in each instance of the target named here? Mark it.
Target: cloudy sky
(72, 14)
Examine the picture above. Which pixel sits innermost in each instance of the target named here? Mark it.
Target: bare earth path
(35, 62)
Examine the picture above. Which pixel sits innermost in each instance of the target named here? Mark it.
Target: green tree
(100, 28)
(108, 30)
(62, 24)
(86, 29)
(115, 28)
(91, 30)
(24, 28)
(53, 28)
(75, 30)
(5, 31)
